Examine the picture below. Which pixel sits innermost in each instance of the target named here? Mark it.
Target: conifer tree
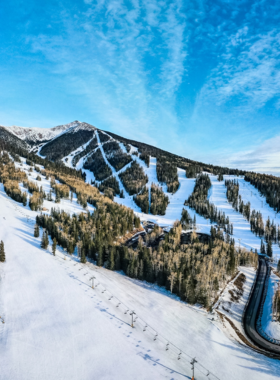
(269, 249)
(24, 199)
(83, 257)
(100, 256)
(278, 266)
(54, 246)
(36, 231)
(45, 240)
(57, 198)
(49, 197)
(111, 263)
(2, 252)
(262, 250)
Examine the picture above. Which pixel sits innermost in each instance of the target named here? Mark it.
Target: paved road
(252, 310)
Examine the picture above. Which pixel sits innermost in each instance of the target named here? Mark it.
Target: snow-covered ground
(270, 326)
(57, 327)
(234, 310)
(242, 232)
(241, 227)
(64, 204)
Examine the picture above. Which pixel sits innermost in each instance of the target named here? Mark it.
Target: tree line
(157, 203)
(97, 165)
(195, 271)
(91, 146)
(268, 230)
(167, 173)
(199, 202)
(133, 178)
(268, 186)
(117, 158)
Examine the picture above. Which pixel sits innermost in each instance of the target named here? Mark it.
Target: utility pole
(193, 363)
(92, 281)
(132, 313)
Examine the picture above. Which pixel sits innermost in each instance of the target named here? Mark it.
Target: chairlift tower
(92, 281)
(193, 363)
(132, 313)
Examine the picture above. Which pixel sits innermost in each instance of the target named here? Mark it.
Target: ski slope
(57, 327)
(241, 227)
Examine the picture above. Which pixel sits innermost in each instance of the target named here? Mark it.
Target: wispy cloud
(264, 158)
(127, 66)
(199, 78)
(248, 75)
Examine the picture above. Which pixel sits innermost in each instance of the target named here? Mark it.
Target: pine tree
(24, 199)
(49, 197)
(2, 252)
(83, 257)
(262, 250)
(278, 267)
(269, 249)
(111, 263)
(100, 256)
(220, 177)
(36, 231)
(45, 240)
(232, 262)
(57, 198)
(54, 246)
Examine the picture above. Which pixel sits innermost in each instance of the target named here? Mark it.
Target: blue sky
(197, 78)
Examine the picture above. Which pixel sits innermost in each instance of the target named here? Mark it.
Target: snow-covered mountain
(35, 136)
(155, 184)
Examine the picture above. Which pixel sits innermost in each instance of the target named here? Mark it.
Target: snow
(250, 194)
(270, 326)
(241, 227)
(115, 174)
(65, 204)
(57, 327)
(234, 310)
(36, 134)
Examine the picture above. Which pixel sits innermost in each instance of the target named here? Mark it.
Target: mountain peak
(38, 135)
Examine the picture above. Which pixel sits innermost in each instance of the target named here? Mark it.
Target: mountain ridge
(36, 135)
